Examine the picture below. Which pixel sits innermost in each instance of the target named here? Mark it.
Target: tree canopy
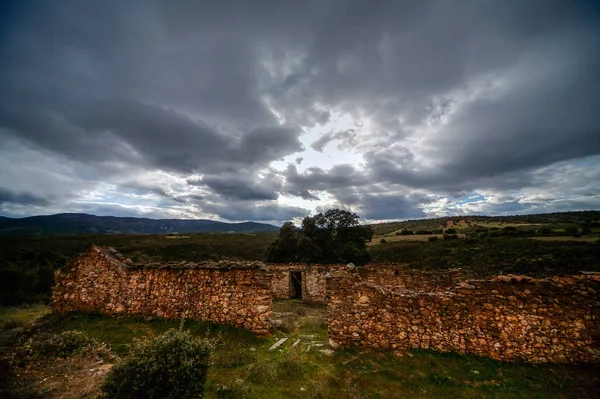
(334, 236)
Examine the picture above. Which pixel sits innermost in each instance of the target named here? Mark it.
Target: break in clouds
(269, 110)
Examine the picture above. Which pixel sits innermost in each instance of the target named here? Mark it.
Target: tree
(331, 237)
(285, 247)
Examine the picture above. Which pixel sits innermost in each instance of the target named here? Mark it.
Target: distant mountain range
(82, 223)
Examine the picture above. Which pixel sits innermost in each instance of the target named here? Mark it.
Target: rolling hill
(82, 223)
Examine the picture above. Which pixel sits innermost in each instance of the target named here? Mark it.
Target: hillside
(81, 223)
(559, 219)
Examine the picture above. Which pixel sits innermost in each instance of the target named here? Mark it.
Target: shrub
(173, 365)
(571, 230)
(450, 231)
(383, 241)
(64, 345)
(433, 238)
(450, 237)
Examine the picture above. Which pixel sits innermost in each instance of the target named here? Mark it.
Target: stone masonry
(102, 281)
(312, 280)
(510, 318)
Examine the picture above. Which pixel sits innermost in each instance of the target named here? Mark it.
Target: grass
(243, 366)
(589, 238)
(395, 238)
(20, 316)
(483, 258)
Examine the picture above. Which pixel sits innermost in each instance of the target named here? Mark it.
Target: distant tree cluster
(331, 237)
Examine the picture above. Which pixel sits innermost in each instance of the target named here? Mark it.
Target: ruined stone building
(509, 318)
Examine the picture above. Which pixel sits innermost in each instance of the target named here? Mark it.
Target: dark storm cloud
(428, 62)
(390, 206)
(21, 198)
(249, 211)
(453, 96)
(317, 179)
(240, 186)
(303, 193)
(129, 91)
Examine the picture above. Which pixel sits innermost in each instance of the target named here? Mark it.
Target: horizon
(272, 111)
(279, 225)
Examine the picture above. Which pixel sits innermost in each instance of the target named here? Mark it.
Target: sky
(274, 110)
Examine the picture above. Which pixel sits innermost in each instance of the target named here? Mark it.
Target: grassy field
(243, 366)
(20, 316)
(483, 258)
(394, 238)
(594, 238)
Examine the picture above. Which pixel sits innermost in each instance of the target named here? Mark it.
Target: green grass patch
(19, 316)
(243, 366)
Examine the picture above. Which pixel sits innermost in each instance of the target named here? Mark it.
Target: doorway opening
(296, 285)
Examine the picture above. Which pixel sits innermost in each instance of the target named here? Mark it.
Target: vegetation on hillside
(487, 257)
(82, 223)
(27, 264)
(560, 220)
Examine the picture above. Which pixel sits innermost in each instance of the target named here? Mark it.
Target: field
(243, 366)
(557, 222)
(27, 264)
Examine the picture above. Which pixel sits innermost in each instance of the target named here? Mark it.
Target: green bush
(64, 345)
(433, 238)
(173, 365)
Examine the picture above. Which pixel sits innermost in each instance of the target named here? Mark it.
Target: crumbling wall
(506, 318)
(280, 280)
(314, 284)
(102, 281)
(313, 281)
(397, 276)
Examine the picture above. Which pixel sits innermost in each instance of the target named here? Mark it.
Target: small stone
(278, 344)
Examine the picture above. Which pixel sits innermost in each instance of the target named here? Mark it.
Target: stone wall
(399, 277)
(507, 318)
(313, 281)
(102, 281)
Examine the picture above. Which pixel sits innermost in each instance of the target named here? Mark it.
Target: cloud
(347, 137)
(241, 187)
(185, 108)
(21, 198)
(263, 212)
